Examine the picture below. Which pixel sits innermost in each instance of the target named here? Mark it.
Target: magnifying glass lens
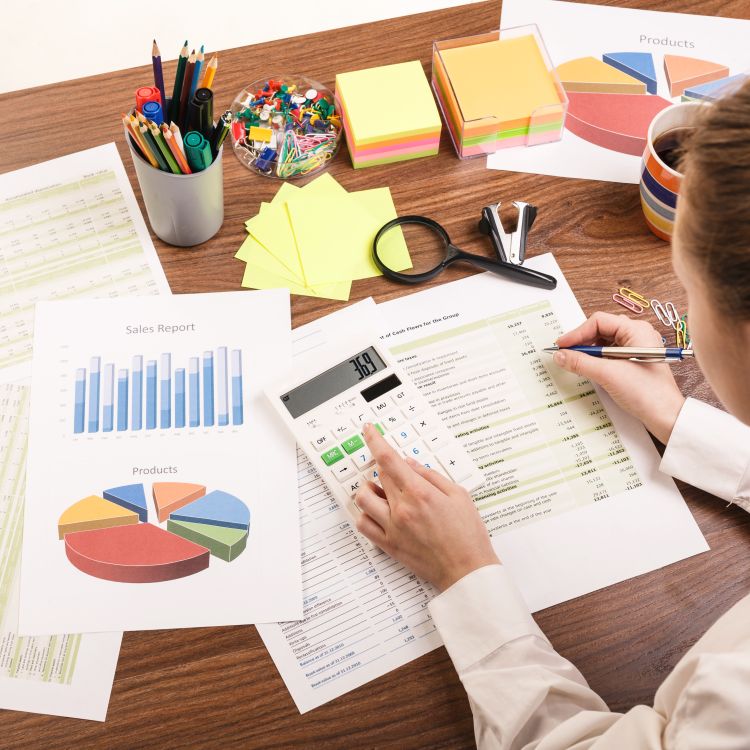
(426, 247)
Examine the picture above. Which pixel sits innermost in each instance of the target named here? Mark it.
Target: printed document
(573, 499)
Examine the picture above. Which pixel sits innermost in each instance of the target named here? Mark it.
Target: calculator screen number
(332, 382)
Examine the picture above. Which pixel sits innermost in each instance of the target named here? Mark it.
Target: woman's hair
(714, 202)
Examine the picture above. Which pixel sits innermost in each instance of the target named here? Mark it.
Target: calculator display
(333, 381)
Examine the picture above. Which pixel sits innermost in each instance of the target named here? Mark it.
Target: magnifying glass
(433, 252)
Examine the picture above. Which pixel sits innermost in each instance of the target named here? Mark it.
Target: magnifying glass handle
(520, 274)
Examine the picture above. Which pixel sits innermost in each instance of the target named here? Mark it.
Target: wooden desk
(217, 688)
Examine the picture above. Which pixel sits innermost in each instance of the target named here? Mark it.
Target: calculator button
(382, 407)
(379, 427)
(401, 396)
(360, 418)
(354, 485)
(373, 475)
(391, 421)
(403, 435)
(413, 409)
(427, 460)
(456, 466)
(331, 456)
(319, 442)
(363, 458)
(340, 431)
(416, 450)
(437, 440)
(354, 443)
(425, 424)
(343, 471)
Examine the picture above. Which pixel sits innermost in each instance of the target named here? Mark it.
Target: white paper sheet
(65, 675)
(250, 457)
(573, 30)
(69, 228)
(365, 614)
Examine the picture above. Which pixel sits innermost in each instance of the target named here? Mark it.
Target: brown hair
(714, 202)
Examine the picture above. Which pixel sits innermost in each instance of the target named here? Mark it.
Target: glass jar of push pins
(285, 126)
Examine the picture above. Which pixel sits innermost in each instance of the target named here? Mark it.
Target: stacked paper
(389, 114)
(317, 239)
(496, 94)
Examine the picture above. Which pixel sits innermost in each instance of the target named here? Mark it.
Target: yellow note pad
(405, 84)
(259, 278)
(251, 251)
(505, 78)
(272, 229)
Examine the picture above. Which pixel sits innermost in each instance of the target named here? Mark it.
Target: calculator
(335, 391)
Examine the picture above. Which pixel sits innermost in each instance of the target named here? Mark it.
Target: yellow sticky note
(259, 278)
(272, 229)
(504, 78)
(251, 251)
(417, 113)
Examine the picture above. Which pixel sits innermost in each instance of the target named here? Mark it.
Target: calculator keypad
(407, 423)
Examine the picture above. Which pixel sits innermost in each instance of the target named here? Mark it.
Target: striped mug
(660, 183)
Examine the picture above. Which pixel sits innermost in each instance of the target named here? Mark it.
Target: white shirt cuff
(479, 614)
(710, 449)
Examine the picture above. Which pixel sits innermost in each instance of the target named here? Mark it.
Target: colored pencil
(185, 95)
(179, 156)
(165, 150)
(138, 142)
(136, 130)
(174, 105)
(196, 73)
(149, 139)
(210, 72)
(177, 136)
(158, 75)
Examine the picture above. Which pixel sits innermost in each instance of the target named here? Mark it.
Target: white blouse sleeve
(710, 449)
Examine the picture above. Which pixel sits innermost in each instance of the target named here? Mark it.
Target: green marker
(197, 150)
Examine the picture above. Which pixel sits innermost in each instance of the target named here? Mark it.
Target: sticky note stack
(317, 239)
(389, 114)
(496, 92)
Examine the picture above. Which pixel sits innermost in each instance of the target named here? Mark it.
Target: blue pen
(632, 353)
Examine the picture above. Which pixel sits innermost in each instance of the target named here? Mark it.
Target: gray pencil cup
(183, 209)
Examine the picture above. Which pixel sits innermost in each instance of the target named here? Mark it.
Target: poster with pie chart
(620, 67)
(161, 490)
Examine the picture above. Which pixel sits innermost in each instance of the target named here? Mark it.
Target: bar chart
(151, 394)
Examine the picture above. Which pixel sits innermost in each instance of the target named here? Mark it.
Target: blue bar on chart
(237, 410)
(94, 373)
(136, 414)
(179, 397)
(122, 400)
(79, 410)
(222, 397)
(165, 399)
(151, 394)
(108, 397)
(208, 389)
(195, 391)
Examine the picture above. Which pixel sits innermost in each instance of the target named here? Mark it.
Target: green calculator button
(354, 443)
(379, 428)
(331, 456)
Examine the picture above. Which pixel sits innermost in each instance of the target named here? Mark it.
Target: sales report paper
(573, 497)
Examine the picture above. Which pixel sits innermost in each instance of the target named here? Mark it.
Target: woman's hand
(421, 518)
(647, 391)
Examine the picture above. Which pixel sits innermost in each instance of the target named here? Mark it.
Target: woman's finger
(368, 527)
(433, 477)
(370, 502)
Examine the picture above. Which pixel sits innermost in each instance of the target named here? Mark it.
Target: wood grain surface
(218, 688)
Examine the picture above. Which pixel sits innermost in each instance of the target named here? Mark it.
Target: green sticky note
(331, 456)
(354, 443)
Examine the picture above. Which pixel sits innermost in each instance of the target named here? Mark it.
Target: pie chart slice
(684, 72)
(139, 553)
(93, 512)
(169, 496)
(130, 496)
(222, 542)
(640, 65)
(592, 75)
(618, 122)
(216, 508)
(714, 89)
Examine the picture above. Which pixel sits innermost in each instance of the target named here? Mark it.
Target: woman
(522, 693)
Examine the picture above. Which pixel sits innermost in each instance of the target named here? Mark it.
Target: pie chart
(613, 100)
(109, 536)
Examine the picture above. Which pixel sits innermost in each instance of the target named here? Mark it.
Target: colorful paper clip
(639, 299)
(628, 303)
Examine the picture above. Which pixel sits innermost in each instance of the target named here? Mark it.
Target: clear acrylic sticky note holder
(479, 136)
